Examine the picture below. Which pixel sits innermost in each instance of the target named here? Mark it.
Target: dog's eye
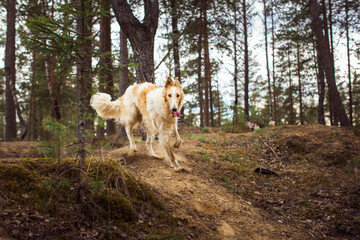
(178, 95)
(169, 95)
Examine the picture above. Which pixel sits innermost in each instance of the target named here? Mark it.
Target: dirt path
(194, 198)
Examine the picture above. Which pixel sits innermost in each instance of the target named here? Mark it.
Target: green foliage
(204, 155)
(57, 130)
(54, 127)
(205, 130)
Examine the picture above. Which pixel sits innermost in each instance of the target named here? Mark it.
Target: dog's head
(174, 96)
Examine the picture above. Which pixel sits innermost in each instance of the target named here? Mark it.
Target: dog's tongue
(175, 114)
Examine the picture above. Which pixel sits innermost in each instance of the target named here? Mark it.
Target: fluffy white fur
(152, 107)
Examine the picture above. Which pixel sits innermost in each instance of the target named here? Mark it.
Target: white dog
(155, 109)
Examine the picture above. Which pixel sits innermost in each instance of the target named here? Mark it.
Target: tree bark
(10, 115)
(175, 43)
(246, 62)
(325, 58)
(140, 35)
(291, 118)
(199, 70)
(83, 79)
(10, 70)
(50, 62)
(207, 77)
(106, 77)
(84, 69)
(321, 87)
(124, 72)
(273, 63)
(236, 70)
(348, 59)
(267, 63)
(299, 67)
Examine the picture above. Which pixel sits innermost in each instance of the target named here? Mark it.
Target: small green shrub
(205, 130)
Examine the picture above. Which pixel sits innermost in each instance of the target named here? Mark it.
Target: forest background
(291, 62)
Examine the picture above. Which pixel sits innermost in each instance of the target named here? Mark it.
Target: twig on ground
(268, 145)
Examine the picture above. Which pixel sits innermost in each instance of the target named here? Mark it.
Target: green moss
(115, 204)
(16, 179)
(205, 130)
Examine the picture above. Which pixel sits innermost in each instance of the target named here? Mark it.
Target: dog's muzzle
(175, 112)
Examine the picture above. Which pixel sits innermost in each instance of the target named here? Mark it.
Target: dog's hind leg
(129, 133)
(149, 140)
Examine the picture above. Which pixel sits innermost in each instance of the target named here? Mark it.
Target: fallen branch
(268, 145)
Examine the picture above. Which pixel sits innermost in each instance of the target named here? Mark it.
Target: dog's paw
(177, 143)
(155, 156)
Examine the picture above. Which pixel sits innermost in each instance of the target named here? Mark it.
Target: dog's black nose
(174, 109)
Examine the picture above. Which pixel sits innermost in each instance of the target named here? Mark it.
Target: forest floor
(286, 182)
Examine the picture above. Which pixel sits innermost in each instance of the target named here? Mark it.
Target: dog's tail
(106, 108)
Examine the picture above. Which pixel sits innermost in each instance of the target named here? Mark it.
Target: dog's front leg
(168, 152)
(178, 138)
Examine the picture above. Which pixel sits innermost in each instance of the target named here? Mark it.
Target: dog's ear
(169, 82)
(177, 83)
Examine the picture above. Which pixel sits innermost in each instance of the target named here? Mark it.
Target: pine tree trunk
(31, 100)
(84, 68)
(218, 104)
(83, 75)
(10, 115)
(10, 70)
(207, 77)
(50, 62)
(124, 72)
(246, 62)
(199, 70)
(299, 83)
(348, 59)
(291, 108)
(267, 64)
(321, 87)
(175, 43)
(50, 75)
(325, 60)
(273, 63)
(235, 79)
(106, 77)
(141, 35)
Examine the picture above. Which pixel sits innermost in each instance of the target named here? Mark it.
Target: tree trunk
(106, 77)
(299, 67)
(31, 101)
(348, 59)
(200, 90)
(207, 69)
(175, 43)
(246, 63)
(336, 118)
(267, 64)
(291, 118)
(141, 35)
(218, 104)
(50, 75)
(273, 63)
(10, 70)
(235, 79)
(84, 70)
(325, 58)
(124, 72)
(321, 88)
(50, 62)
(10, 115)
(83, 78)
